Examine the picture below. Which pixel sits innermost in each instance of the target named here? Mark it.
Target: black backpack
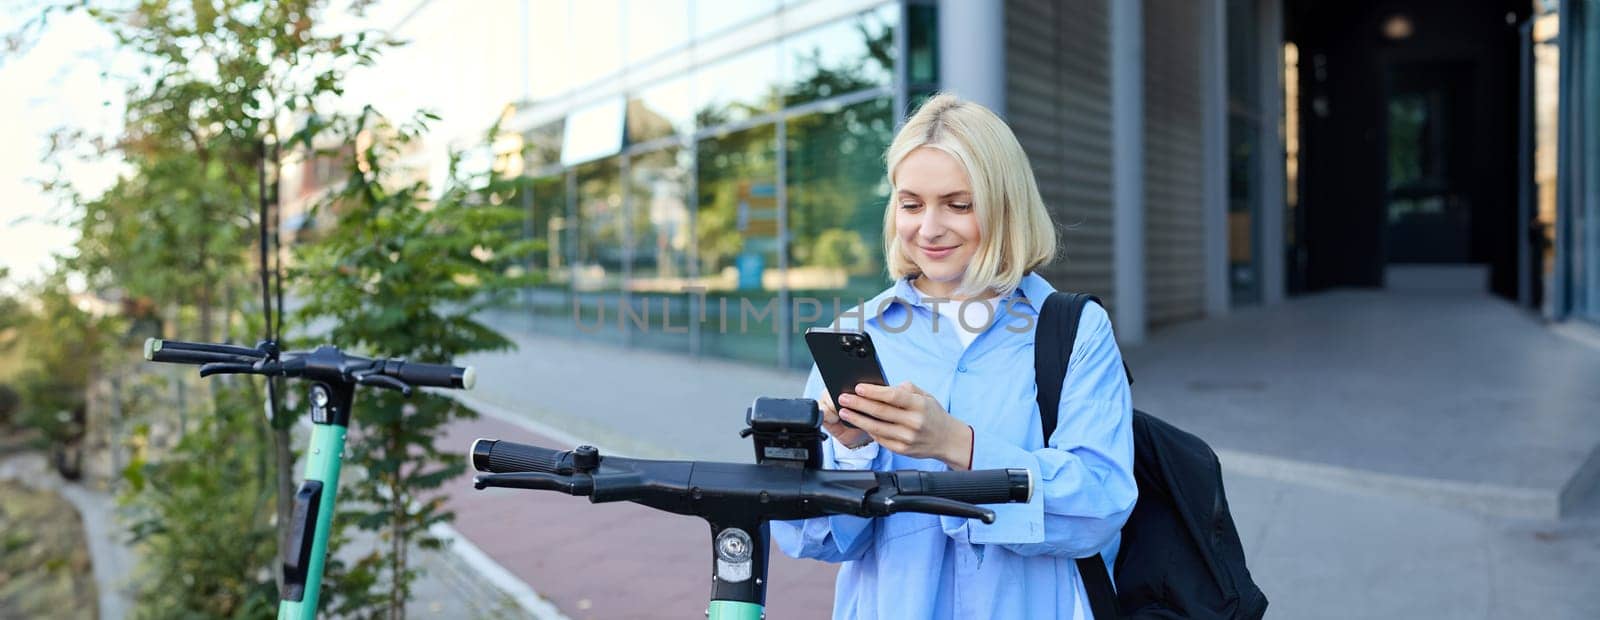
(1180, 555)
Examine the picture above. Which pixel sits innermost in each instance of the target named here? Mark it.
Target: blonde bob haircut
(1017, 235)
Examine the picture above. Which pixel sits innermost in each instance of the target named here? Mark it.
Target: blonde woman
(963, 233)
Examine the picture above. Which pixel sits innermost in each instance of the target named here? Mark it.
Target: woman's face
(935, 221)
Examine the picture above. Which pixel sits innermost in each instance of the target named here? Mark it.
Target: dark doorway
(1408, 143)
(1428, 209)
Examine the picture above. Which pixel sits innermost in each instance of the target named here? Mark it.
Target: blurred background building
(694, 161)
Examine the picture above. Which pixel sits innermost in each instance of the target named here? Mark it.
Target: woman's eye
(961, 206)
(909, 205)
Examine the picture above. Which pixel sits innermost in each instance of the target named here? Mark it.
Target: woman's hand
(849, 437)
(909, 421)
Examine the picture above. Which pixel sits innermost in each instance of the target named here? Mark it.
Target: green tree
(213, 487)
(216, 84)
(400, 275)
(62, 347)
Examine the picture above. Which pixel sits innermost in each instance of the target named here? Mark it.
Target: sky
(55, 83)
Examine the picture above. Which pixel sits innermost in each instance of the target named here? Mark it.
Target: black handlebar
(325, 363)
(768, 491)
(502, 457)
(985, 486)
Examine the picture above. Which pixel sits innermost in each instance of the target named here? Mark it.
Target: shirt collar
(1033, 288)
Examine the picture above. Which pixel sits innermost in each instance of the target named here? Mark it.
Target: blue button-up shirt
(1022, 566)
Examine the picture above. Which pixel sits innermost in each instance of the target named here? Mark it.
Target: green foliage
(62, 347)
(214, 85)
(10, 400)
(399, 275)
(217, 78)
(203, 516)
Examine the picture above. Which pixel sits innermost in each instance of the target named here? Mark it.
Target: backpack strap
(1052, 352)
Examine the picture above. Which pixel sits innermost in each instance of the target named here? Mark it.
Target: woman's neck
(944, 290)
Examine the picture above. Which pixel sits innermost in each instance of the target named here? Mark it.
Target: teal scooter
(333, 376)
(738, 500)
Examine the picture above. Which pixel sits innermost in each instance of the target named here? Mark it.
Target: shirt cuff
(1014, 524)
(859, 458)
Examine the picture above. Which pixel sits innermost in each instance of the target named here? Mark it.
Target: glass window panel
(660, 110)
(1244, 153)
(713, 16)
(549, 300)
(659, 188)
(602, 234)
(543, 146)
(655, 26)
(1586, 160)
(737, 88)
(593, 131)
(596, 40)
(837, 192)
(842, 57)
(737, 244)
(549, 49)
(922, 36)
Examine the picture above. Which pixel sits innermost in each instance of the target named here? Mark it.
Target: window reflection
(713, 16)
(593, 131)
(737, 88)
(922, 37)
(655, 26)
(543, 144)
(601, 245)
(837, 192)
(659, 111)
(549, 298)
(658, 182)
(736, 223)
(737, 244)
(842, 57)
(658, 186)
(596, 39)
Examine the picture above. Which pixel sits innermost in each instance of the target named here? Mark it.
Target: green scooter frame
(305, 556)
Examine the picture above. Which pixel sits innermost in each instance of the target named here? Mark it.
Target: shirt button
(961, 369)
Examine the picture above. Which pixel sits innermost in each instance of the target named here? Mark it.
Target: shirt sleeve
(835, 538)
(1084, 485)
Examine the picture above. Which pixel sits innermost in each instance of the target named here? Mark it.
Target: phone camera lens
(861, 353)
(844, 341)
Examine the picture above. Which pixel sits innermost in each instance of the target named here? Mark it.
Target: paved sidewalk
(1460, 396)
(111, 559)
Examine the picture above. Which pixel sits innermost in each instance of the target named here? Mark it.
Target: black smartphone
(844, 359)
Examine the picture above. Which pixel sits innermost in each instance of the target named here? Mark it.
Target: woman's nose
(931, 227)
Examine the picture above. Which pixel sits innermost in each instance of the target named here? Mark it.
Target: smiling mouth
(937, 252)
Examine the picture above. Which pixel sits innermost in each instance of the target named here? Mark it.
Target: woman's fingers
(886, 433)
(877, 409)
(903, 396)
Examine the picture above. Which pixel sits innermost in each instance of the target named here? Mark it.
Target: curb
(496, 575)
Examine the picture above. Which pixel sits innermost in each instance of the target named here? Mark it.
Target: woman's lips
(937, 253)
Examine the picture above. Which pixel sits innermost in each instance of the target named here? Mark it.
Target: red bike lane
(614, 560)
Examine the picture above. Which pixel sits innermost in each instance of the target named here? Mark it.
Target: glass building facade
(713, 182)
(705, 177)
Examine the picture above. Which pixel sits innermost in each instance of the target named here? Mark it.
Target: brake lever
(221, 368)
(888, 504)
(578, 484)
(384, 381)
